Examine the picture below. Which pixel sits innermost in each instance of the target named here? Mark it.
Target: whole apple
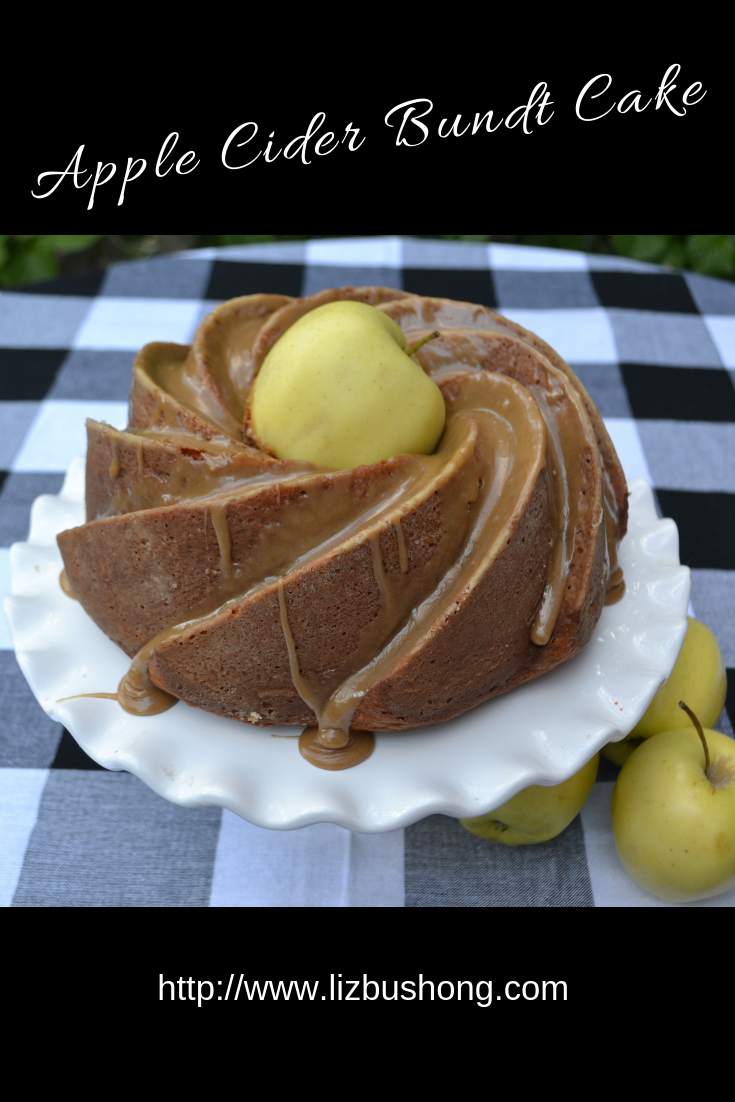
(673, 814)
(538, 812)
(699, 677)
(340, 389)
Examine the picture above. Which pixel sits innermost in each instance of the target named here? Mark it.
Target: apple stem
(700, 732)
(415, 347)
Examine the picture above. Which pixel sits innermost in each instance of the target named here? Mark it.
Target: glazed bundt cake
(384, 597)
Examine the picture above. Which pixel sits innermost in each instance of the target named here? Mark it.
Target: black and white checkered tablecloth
(657, 351)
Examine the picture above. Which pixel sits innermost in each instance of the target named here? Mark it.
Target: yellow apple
(698, 677)
(339, 389)
(538, 812)
(619, 752)
(674, 820)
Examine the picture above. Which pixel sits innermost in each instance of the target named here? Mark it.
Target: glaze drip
(344, 751)
(115, 461)
(135, 694)
(386, 595)
(303, 688)
(224, 540)
(402, 552)
(64, 583)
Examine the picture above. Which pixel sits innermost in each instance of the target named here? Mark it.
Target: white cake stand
(541, 733)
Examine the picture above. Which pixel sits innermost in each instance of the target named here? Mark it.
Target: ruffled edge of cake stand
(541, 733)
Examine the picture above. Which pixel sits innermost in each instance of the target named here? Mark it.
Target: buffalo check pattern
(656, 349)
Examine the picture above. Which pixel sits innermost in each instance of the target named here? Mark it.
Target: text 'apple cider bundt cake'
(253, 555)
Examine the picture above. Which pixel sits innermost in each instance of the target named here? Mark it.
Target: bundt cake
(383, 597)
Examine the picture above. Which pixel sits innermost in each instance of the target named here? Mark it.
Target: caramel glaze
(224, 538)
(615, 587)
(403, 554)
(158, 366)
(335, 749)
(220, 364)
(114, 468)
(215, 376)
(135, 694)
(506, 443)
(64, 583)
(176, 466)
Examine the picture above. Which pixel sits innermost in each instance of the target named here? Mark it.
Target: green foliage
(27, 258)
(253, 239)
(68, 243)
(582, 242)
(711, 253)
(657, 248)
